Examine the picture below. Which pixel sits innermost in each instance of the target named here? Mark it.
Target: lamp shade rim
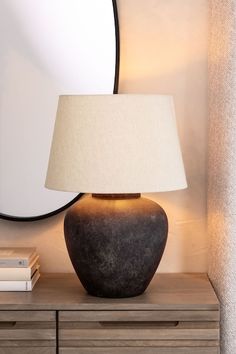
(106, 191)
(114, 96)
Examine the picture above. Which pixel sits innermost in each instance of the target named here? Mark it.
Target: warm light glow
(169, 43)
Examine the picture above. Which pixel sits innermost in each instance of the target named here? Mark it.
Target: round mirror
(48, 48)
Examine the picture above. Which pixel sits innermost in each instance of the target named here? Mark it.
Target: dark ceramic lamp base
(115, 243)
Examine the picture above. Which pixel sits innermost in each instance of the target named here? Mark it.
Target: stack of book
(19, 268)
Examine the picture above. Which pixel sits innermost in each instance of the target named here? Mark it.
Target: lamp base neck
(117, 196)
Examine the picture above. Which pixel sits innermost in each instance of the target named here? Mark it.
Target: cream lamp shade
(124, 143)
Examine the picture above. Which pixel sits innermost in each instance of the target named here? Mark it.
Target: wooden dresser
(178, 314)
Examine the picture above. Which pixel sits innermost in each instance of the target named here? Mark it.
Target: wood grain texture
(182, 350)
(27, 343)
(166, 292)
(137, 325)
(30, 316)
(138, 343)
(145, 334)
(28, 334)
(71, 316)
(28, 350)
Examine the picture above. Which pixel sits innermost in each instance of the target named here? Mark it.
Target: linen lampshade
(115, 144)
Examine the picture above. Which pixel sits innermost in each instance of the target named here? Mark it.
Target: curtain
(222, 165)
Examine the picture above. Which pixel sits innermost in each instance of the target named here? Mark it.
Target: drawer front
(178, 332)
(28, 316)
(85, 316)
(125, 350)
(27, 350)
(27, 329)
(139, 329)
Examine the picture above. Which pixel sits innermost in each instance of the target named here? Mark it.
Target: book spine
(18, 273)
(6, 285)
(14, 263)
(19, 285)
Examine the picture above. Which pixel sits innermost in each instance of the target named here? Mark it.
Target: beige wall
(163, 50)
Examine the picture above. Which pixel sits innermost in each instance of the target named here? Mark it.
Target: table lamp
(115, 147)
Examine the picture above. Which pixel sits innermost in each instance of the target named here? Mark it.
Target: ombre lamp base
(115, 243)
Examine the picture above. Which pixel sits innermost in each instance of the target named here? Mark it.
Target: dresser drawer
(125, 350)
(40, 350)
(28, 316)
(126, 315)
(27, 329)
(138, 331)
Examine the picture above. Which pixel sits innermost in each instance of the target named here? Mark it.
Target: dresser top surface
(176, 291)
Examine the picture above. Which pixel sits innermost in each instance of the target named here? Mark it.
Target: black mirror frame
(115, 91)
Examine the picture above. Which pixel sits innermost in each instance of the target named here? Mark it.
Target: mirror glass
(47, 48)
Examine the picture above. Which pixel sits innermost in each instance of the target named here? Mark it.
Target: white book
(19, 285)
(13, 257)
(20, 273)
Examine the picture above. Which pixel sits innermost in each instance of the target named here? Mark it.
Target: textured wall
(163, 50)
(222, 164)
